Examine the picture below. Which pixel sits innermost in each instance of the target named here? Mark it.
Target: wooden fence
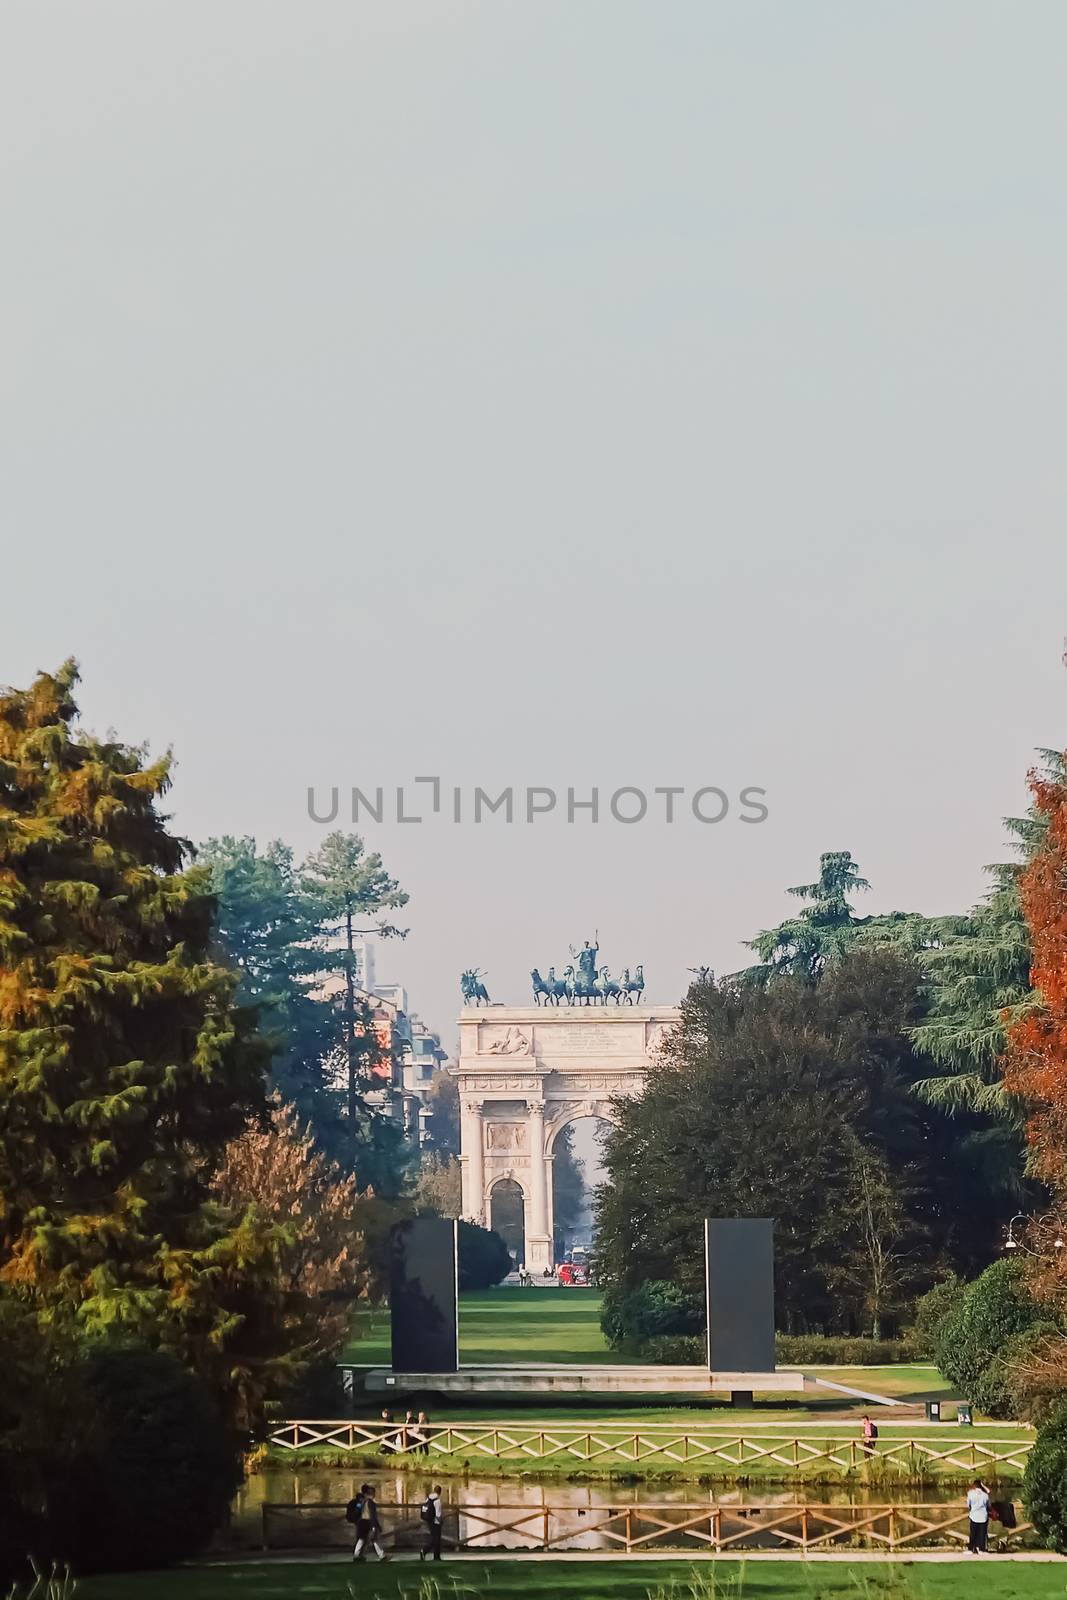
(804, 1527)
(951, 1451)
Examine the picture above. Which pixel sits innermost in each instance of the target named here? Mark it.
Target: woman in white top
(978, 1517)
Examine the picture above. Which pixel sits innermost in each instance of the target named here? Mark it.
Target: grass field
(520, 1326)
(563, 1325)
(514, 1325)
(985, 1579)
(541, 1325)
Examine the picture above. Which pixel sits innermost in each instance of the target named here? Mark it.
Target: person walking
(870, 1435)
(433, 1515)
(368, 1527)
(978, 1518)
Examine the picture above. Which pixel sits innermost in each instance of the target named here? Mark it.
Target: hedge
(1045, 1480)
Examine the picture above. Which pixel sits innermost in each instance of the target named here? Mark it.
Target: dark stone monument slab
(424, 1302)
(739, 1269)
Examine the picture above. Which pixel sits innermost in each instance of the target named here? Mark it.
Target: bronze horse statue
(474, 991)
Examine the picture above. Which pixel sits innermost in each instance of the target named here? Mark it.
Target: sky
(581, 394)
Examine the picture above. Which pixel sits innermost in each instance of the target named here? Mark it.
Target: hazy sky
(576, 392)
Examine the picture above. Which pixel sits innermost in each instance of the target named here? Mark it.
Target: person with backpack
(368, 1525)
(870, 1435)
(978, 1499)
(432, 1512)
(354, 1512)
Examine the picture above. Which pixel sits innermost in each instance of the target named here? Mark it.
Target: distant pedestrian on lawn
(433, 1515)
(369, 1526)
(422, 1434)
(870, 1435)
(388, 1444)
(978, 1517)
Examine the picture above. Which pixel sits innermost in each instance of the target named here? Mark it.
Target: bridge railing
(610, 1443)
(804, 1526)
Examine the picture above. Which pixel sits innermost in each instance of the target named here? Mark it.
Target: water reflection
(520, 1513)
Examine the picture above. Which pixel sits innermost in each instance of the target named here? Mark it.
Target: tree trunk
(350, 1027)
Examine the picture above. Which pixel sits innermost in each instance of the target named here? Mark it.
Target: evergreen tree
(268, 931)
(791, 1100)
(287, 928)
(801, 946)
(125, 1065)
(344, 886)
(978, 980)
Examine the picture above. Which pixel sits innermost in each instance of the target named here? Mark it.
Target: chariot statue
(585, 983)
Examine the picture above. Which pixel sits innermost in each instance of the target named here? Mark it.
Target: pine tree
(267, 929)
(125, 1065)
(345, 886)
(978, 979)
(801, 946)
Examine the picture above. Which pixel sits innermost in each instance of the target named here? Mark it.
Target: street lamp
(1012, 1243)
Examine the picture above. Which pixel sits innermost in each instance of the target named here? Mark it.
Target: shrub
(483, 1257)
(156, 1470)
(1045, 1480)
(41, 1418)
(931, 1310)
(979, 1340)
(830, 1350)
(676, 1350)
(651, 1311)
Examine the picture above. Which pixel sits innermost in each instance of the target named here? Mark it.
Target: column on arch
(472, 1161)
(538, 1240)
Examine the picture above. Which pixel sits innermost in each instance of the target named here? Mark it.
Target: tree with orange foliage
(274, 1170)
(1035, 1063)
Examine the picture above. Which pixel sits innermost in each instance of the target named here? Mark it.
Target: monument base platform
(559, 1378)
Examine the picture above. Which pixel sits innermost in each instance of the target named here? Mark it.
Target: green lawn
(514, 1325)
(563, 1325)
(610, 1580)
(539, 1325)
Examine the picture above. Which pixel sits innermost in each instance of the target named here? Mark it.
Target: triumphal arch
(525, 1072)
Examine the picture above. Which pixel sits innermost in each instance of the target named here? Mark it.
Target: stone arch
(602, 1110)
(571, 1220)
(507, 1214)
(526, 1072)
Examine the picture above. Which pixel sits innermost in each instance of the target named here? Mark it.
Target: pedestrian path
(841, 1558)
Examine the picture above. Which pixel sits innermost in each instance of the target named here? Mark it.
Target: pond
(305, 1509)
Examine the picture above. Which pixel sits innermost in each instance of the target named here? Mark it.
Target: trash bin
(963, 1414)
(933, 1411)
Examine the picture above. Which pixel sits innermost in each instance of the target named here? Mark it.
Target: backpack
(354, 1509)
(428, 1511)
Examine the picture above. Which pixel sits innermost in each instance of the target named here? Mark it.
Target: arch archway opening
(506, 1217)
(577, 1172)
